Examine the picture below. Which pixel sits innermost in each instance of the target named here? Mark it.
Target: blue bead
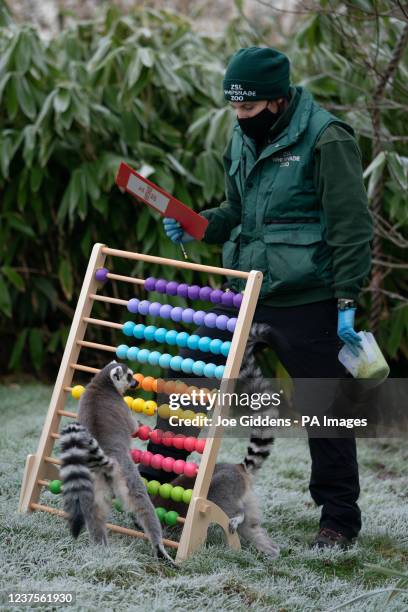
(215, 346)
(193, 341)
(160, 334)
(143, 355)
(171, 337)
(133, 305)
(225, 348)
(209, 370)
(138, 331)
(154, 358)
(198, 368)
(122, 351)
(219, 372)
(204, 344)
(187, 365)
(164, 361)
(133, 353)
(144, 307)
(149, 332)
(182, 338)
(128, 328)
(175, 363)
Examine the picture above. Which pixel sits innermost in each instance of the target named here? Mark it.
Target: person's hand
(345, 329)
(175, 232)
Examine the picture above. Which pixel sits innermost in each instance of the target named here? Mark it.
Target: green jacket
(296, 210)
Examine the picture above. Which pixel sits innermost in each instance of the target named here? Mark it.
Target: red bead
(178, 441)
(190, 469)
(168, 464)
(190, 444)
(156, 461)
(135, 452)
(200, 445)
(146, 457)
(167, 439)
(178, 466)
(144, 432)
(156, 436)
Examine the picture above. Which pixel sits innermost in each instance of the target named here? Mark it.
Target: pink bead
(168, 464)
(135, 453)
(156, 461)
(167, 439)
(156, 436)
(190, 444)
(190, 469)
(178, 466)
(144, 432)
(200, 445)
(178, 441)
(146, 457)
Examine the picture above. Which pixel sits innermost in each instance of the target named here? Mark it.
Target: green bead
(177, 494)
(171, 517)
(55, 486)
(187, 496)
(117, 505)
(161, 513)
(165, 490)
(153, 487)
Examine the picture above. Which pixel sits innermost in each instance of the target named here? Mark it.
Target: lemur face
(122, 377)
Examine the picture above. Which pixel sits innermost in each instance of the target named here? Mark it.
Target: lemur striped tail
(80, 453)
(261, 440)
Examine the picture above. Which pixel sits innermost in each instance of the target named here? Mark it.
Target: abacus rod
(56, 436)
(103, 323)
(71, 415)
(52, 460)
(109, 300)
(125, 279)
(102, 347)
(173, 263)
(84, 368)
(114, 528)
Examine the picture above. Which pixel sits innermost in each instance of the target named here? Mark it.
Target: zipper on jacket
(292, 220)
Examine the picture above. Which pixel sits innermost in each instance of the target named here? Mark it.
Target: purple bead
(165, 310)
(238, 300)
(133, 305)
(210, 319)
(101, 275)
(176, 314)
(231, 324)
(205, 293)
(161, 285)
(144, 307)
(198, 317)
(194, 292)
(188, 315)
(150, 283)
(154, 309)
(182, 290)
(222, 322)
(171, 288)
(216, 295)
(227, 298)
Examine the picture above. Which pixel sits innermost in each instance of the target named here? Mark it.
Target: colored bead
(238, 300)
(138, 404)
(227, 298)
(178, 441)
(194, 292)
(171, 337)
(144, 432)
(77, 391)
(156, 462)
(187, 365)
(178, 467)
(164, 360)
(204, 344)
(182, 290)
(210, 319)
(231, 324)
(169, 387)
(198, 368)
(146, 457)
(128, 401)
(122, 351)
(165, 310)
(187, 495)
(139, 378)
(154, 309)
(198, 317)
(117, 505)
(209, 370)
(165, 490)
(167, 463)
(163, 411)
(149, 408)
(193, 341)
(138, 331)
(133, 353)
(222, 322)
(177, 494)
(147, 383)
(190, 444)
(133, 305)
(216, 296)
(205, 293)
(190, 469)
(200, 445)
(160, 513)
(201, 418)
(219, 372)
(175, 363)
(150, 283)
(153, 487)
(128, 328)
(135, 453)
(160, 334)
(149, 332)
(101, 275)
(153, 359)
(215, 346)
(170, 518)
(55, 486)
(189, 415)
(156, 436)
(176, 314)
(225, 347)
(161, 285)
(182, 339)
(168, 437)
(188, 315)
(171, 288)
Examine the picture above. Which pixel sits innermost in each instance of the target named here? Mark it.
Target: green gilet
(282, 230)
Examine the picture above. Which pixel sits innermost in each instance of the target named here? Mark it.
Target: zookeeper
(296, 209)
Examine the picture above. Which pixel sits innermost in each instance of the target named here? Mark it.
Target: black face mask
(257, 127)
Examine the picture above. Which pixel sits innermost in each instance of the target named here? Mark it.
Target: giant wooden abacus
(42, 468)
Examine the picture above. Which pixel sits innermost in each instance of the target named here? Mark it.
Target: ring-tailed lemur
(96, 463)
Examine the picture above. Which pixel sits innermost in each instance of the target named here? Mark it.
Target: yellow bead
(77, 391)
(201, 416)
(129, 401)
(138, 404)
(164, 411)
(178, 413)
(189, 414)
(150, 407)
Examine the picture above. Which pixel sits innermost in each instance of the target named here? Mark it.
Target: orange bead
(169, 387)
(180, 387)
(138, 377)
(154, 385)
(160, 384)
(147, 383)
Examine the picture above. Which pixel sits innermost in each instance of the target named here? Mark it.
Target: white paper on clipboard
(145, 192)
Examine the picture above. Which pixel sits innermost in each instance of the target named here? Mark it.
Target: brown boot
(327, 538)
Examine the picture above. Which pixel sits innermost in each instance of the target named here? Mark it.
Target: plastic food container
(370, 362)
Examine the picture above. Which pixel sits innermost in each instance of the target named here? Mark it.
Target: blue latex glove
(345, 329)
(175, 232)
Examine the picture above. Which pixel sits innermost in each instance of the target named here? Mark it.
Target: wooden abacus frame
(42, 466)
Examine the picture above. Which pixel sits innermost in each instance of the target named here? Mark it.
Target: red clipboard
(159, 200)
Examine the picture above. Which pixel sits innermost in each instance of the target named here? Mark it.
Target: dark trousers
(305, 340)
